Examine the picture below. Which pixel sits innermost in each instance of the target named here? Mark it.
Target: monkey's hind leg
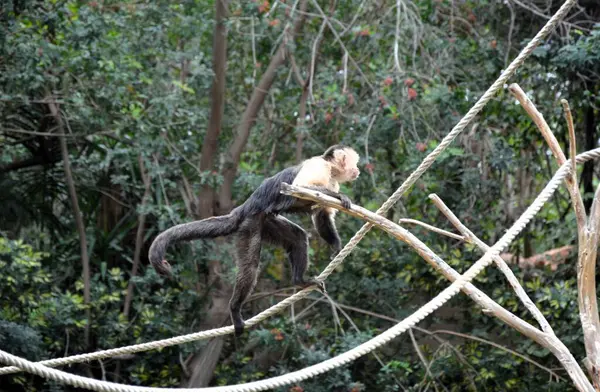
(248, 247)
(280, 231)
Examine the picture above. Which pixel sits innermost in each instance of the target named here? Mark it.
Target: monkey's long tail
(212, 227)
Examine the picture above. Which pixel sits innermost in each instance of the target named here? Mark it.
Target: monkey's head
(344, 162)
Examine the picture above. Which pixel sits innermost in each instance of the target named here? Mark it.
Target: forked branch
(547, 340)
(587, 228)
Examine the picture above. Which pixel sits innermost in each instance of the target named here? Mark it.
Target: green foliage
(133, 82)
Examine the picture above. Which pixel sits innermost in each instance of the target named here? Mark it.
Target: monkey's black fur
(257, 220)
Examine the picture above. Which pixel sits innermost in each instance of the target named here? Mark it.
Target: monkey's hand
(346, 202)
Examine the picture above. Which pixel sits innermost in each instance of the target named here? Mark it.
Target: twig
(432, 228)
(442, 331)
(355, 327)
(102, 370)
(397, 37)
(422, 358)
(253, 52)
(170, 145)
(52, 134)
(354, 19)
(295, 70)
(139, 237)
(339, 39)
(368, 133)
(510, 33)
(336, 316)
(541, 14)
(313, 60)
(496, 345)
(345, 66)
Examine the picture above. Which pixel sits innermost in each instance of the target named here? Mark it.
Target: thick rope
(342, 359)
(349, 247)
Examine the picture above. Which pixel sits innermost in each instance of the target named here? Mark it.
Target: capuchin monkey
(258, 220)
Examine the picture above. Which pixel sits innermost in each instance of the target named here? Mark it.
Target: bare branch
(432, 228)
(547, 340)
(510, 276)
(538, 119)
(339, 39)
(423, 250)
(572, 140)
(542, 125)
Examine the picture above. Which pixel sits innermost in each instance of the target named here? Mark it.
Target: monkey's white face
(347, 160)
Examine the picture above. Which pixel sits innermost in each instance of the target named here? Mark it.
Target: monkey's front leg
(345, 200)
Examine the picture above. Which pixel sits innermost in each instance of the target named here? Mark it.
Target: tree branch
(139, 237)
(587, 237)
(547, 340)
(204, 207)
(53, 106)
(510, 276)
(548, 135)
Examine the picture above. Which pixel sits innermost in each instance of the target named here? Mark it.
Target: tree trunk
(232, 159)
(77, 216)
(203, 363)
(217, 93)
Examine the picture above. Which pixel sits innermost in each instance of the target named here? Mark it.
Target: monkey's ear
(340, 157)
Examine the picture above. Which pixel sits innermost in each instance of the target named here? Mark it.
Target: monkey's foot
(335, 250)
(313, 282)
(239, 330)
(238, 326)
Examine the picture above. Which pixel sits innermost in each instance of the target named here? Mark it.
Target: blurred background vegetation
(153, 113)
